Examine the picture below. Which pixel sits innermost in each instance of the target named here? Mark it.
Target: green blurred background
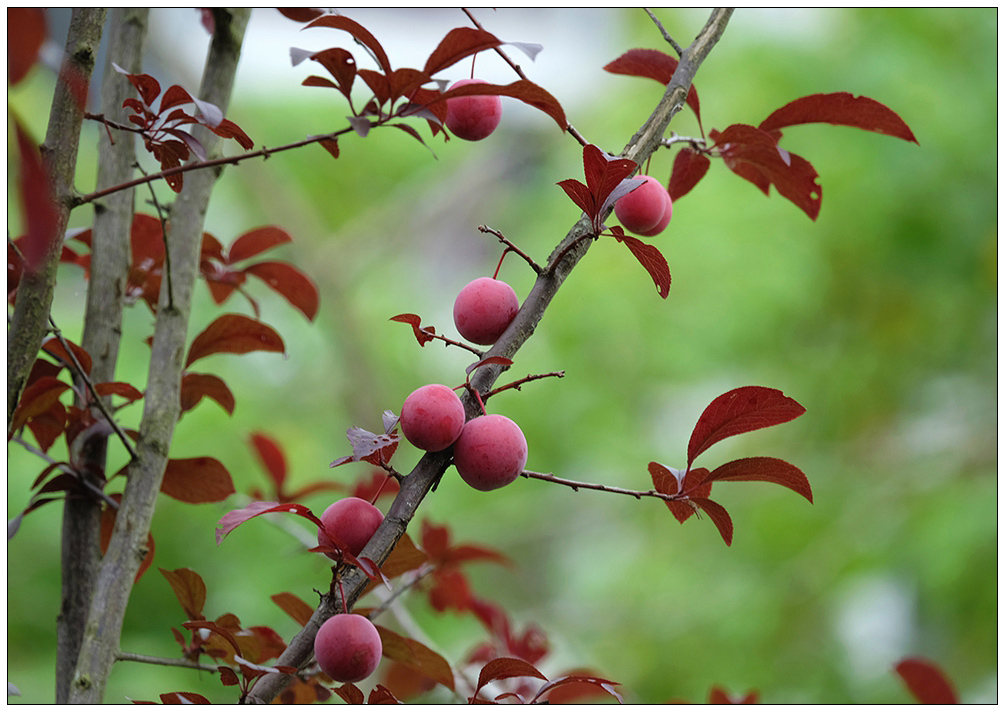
(880, 318)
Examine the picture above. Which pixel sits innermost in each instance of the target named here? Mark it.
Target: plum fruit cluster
(647, 209)
(347, 647)
(349, 522)
(473, 117)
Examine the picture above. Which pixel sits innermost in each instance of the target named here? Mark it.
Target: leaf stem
(511, 248)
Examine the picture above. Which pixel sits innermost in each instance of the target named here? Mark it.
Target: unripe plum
(484, 309)
(490, 453)
(644, 209)
(347, 647)
(432, 417)
(353, 521)
(473, 117)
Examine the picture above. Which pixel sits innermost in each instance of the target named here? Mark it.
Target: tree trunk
(162, 405)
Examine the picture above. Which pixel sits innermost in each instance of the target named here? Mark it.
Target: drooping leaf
(215, 628)
(653, 64)
(256, 241)
(341, 22)
(330, 145)
(579, 194)
(684, 485)
(459, 43)
(689, 167)
(769, 469)
(650, 258)
(350, 693)
(197, 480)
(506, 668)
(189, 588)
(843, 109)
(232, 519)
(129, 392)
(605, 685)
(234, 333)
(196, 386)
(754, 155)
(926, 681)
(294, 606)
(39, 211)
(36, 399)
(417, 656)
(741, 410)
(380, 694)
(291, 283)
(54, 347)
(228, 129)
(719, 517)
(270, 454)
(523, 90)
(369, 447)
(422, 335)
(25, 36)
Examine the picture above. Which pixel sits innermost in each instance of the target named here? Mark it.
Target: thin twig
(666, 35)
(577, 485)
(94, 393)
(515, 385)
(512, 247)
(417, 575)
(164, 238)
(121, 656)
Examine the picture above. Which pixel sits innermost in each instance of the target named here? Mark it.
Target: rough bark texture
(430, 468)
(127, 547)
(80, 549)
(30, 320)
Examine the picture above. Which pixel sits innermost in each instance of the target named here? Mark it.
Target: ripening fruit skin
(490, 453)
(662, 224)
(347, 647)
(351, 520)
(643, 209)
(473, 117)
(432, 417)
(484, 309)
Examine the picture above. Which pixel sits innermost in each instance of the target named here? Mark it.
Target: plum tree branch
(432, 465)
(577, 485)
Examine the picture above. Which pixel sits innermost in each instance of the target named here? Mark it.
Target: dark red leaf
(330, 145)
(195, 386)
(653, 64)
(125, 390)
(719, 517)
(216, 628)
(599, 684)
(36, 399)
(741, 410)
(755, 155)
(404, 557)
(341, 22)
(48, 426)
(228, 677)
(506, 668)
(604, 172)
(228, 129)
(422, 335)
(254, 242)
(374, 485)
(770, 469)
(294, 606)
(291, 283)
(369, 447)
(174, 96)
(580, 194)
(459, 43)
(39, 210)
(689, 167)
(450, 591)
(190, 590)
(270, 454)
(234, 333)
(717, 695)
(842, 109)
(198, 480)
(54, 347)
(235, 518)
(380, 694)
(340, 64)
(664, 480)
(926, 681)
(351, 694)
(417, 656)
(183, 697)
(148, 87)
(650, 258)
(25, 35)
(491, 360)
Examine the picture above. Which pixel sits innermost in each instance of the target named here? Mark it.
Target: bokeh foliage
(879, 318)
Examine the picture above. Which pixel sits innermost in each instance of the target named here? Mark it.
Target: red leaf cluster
(161, 128)
(738, 411)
